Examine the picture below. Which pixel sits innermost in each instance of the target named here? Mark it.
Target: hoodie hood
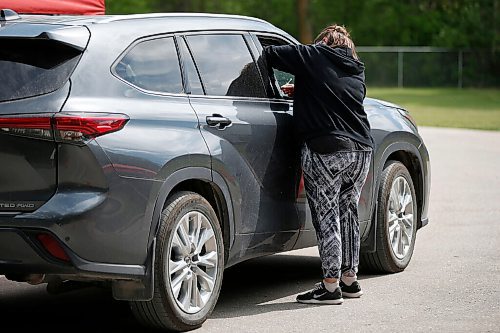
(342, 57)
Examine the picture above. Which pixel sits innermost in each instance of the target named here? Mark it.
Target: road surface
(451, 285)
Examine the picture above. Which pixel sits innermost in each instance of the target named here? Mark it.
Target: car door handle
(216, 120)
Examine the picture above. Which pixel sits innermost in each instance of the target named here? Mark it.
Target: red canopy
(74, 7)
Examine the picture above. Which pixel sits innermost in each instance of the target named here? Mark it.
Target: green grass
(447, 107)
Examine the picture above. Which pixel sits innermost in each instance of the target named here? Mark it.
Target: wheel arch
(408, 154)
(206, 183)
(215, 196)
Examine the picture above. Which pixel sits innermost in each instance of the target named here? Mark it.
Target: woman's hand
(288, 89)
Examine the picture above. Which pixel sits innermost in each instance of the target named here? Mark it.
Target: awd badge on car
(19, 206)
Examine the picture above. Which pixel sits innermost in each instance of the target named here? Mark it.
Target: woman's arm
(287, 58)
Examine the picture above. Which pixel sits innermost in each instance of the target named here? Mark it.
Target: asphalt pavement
(451, 285)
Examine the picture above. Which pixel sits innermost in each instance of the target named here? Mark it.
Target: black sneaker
(320, 295)
(352, 291)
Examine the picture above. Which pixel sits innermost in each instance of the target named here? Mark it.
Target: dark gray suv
(149, 152)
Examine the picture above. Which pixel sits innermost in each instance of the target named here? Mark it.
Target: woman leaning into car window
(336, 148)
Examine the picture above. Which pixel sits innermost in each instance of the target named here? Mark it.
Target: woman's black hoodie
(329, 90)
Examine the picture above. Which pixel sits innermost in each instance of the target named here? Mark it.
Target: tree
(305, 29)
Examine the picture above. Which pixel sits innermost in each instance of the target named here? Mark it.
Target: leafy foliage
(471, 25)
(445, 23)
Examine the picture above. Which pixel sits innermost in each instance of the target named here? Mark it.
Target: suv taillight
(66, 127)
(78, 127)
(35, 126)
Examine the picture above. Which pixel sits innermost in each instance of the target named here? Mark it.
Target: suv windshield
(31, 67)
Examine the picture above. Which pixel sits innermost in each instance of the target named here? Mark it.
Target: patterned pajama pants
(333, 184)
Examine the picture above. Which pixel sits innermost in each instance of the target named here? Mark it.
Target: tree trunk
(200, 6)
(496, 32)
(184, 6)
(172, 6)
(305, 30)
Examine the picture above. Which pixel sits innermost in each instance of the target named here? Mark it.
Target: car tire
(396, 226)
(190, 248)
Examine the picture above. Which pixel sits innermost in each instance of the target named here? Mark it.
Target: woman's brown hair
(337, 35)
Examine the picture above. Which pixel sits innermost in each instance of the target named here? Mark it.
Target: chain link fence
(429, 67)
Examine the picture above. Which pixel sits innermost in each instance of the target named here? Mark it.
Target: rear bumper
(22, 253)
(110, 225)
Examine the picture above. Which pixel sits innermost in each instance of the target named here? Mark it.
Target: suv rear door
(248, 134)
(278, 79)
(36, 61)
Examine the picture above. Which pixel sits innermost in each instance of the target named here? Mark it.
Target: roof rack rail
(8, 15)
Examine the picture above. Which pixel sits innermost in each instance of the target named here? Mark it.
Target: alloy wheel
(193, 260)
(401, 217)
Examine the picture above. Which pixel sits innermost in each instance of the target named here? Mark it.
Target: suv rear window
(152, 65)
(30, 67)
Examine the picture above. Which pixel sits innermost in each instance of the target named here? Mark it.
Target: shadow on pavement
(92, 309)
(258, 286)
(89, 309)
(253, 287)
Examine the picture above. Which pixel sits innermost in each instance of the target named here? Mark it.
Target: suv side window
(152, 65)
(280, 78)
(226, 65)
